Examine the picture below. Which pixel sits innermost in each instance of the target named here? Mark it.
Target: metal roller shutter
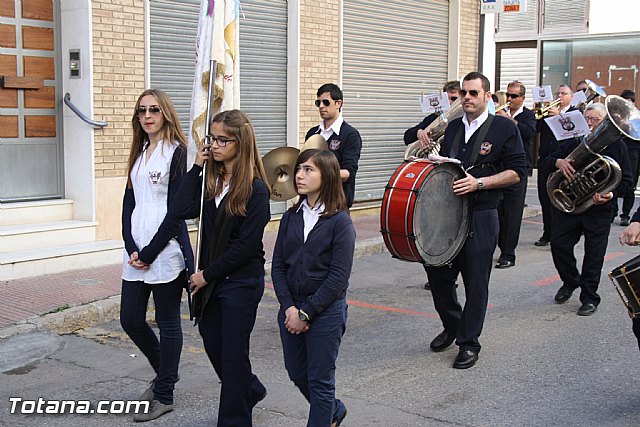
(263, 63)
(392, 50)
(564, 15)
(519, 64)
(173, 30)
(518, 23)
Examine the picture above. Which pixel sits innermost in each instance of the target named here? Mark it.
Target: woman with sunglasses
(311, 266)
(230, 279)
(158, 257)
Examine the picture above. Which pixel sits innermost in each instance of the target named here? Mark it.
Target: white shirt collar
(478, 121)
(335, 126)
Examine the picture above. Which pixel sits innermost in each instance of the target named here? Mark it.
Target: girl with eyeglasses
(311, 266)
(158, 258)
(230, 279)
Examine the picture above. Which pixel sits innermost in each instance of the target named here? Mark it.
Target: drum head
(441, 219)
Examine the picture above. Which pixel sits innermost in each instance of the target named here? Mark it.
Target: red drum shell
(421, 219)
(626, 280)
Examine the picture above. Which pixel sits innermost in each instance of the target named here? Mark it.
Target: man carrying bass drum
(491, 151)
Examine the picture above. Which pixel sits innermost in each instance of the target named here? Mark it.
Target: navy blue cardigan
(171, 227)
(313, 274)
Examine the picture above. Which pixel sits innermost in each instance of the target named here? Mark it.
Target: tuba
(595, 173)
(436, 129)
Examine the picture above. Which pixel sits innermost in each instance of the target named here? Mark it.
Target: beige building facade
(102, 54)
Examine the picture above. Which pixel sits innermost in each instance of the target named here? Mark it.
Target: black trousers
(163, 354)
(510, 216)
(474, 262)
(226, 325)
(594, 225)
(548, 211)
(629, 197)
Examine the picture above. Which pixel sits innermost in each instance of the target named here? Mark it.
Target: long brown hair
(331, 192)
(171, 131)
(246, 167)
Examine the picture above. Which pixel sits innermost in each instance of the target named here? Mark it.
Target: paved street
(541, 364)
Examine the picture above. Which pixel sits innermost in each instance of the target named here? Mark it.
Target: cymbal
(316, 141)
(279, 165)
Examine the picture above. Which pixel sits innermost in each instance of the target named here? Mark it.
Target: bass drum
(421, 219)
(626, 280)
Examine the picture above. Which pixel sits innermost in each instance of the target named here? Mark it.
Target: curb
(87, 315)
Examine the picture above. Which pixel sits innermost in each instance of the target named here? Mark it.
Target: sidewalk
(76, 299)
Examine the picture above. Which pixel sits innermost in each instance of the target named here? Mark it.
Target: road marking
(387, 308)
(556, 277)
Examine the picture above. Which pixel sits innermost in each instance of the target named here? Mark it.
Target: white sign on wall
(503, 6)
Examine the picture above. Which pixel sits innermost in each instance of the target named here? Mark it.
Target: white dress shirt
(470, 128)
(310, 216)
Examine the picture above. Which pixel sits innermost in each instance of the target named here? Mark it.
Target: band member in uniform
(512, 204)
(158, 255)
(634, 158)
(594, 224)
(418, 132)
(311, 266)
(343, 139)
(549, 144)
(491, 152)
(230, 281)
(631, 236)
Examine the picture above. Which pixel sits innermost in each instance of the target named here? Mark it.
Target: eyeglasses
(222, 142)
(513, 95)
(474, 93)
(154, 109)
(325, 102)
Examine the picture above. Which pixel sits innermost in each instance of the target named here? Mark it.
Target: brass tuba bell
(595, 173)
(436, 129)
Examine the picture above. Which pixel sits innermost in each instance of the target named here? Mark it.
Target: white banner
(217, 39)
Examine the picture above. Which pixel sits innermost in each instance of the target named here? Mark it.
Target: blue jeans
(163, 354)
(310, 360)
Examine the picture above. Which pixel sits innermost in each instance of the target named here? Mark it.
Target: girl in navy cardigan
(158, 257)
(312, 262)
(230, 282)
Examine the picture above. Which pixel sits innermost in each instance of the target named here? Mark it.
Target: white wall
(614, 16)
(78, 142)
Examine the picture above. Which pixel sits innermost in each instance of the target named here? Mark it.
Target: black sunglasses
(474, 93)
(154, 109)
(325, 102)
(513, 95)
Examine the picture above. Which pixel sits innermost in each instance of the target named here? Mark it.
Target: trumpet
(541, 110)
(503, 106)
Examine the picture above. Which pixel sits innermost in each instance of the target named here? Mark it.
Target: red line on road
(556, 278)
(378, 307)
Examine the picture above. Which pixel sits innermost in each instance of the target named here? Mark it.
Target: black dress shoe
(587, 309)
(503, 263)
(563, 295)
(541, 242)
(465, 359)
(442, 341)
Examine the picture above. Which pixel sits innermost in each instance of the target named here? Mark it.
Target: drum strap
(480, 134)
